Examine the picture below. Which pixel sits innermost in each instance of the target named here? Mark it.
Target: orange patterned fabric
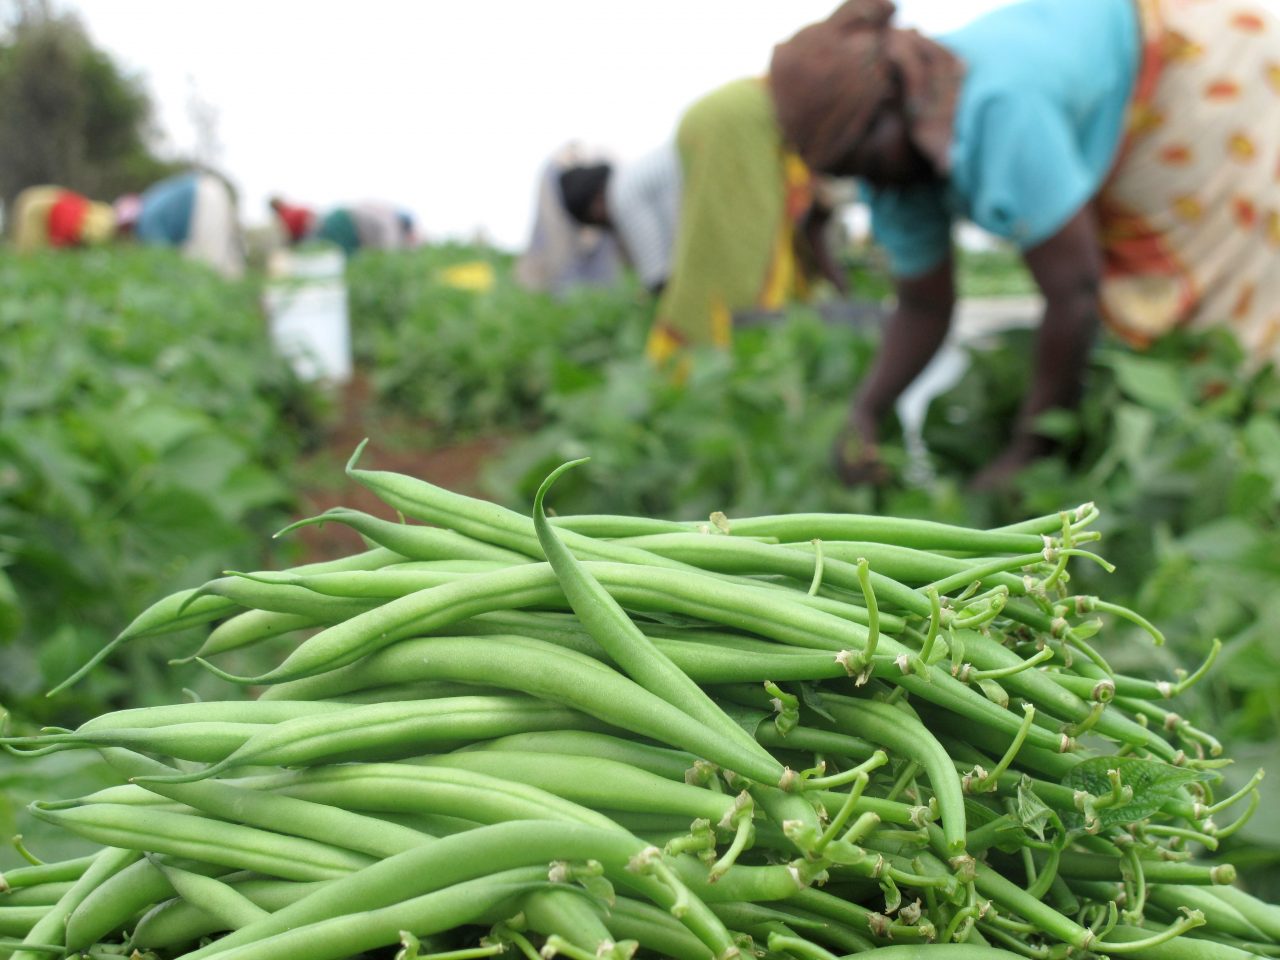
(1190, 216)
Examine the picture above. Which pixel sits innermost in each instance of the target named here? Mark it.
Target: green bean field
(512, 646)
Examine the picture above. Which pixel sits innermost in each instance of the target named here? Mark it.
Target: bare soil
(394, 445)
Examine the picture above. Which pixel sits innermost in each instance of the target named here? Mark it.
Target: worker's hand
(855, 455)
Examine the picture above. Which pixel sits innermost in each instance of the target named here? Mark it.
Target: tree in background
(68, 115)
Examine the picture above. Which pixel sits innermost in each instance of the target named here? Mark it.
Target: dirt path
(393, 445)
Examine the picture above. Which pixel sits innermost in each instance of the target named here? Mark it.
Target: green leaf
(1033, 815)
(1153, 383)
(1152, 782)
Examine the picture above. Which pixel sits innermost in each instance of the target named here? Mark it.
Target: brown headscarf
(832, 77)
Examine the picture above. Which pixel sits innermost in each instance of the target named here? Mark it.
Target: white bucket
(307, 310)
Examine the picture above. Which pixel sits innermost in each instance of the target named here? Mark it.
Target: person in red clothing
(298, 221)
(50, 216)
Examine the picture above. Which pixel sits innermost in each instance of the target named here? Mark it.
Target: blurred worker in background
(50, 216)
(564, 251)
(751, 230)
(638, 202)
(368, 225)
(1130, 148)
(194, 212)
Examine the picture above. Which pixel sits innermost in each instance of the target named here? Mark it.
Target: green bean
(253, 627)
(656, 930)
(920, 534)
(284, 815)
(205, 742)
(72, 869)
(622, 640)
(411, 541)
(19, 921)
(566, 912)
(1041, 690)
(381, 731)
(1088, 866)
(606, 527)
(222, 900)
(200, 838)
(907, 737)
(665, 762)
(1220, 915)
(112, 904)
(486, 521)
(176, 921)
(343, 936)
(416, 690)
(1264, 916)
(945, 951)
(774, 615)
(485, 850)
(279, 593)
(230, 711)
(406, 788)
(190, 608)
(51, 927)
(551, 673)
(742, 556)
(1180, 948)
(904, 564)
(592, 781)
(39, 895)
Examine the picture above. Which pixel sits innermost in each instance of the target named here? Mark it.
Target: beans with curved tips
(382, 731)
(206, 742)
(636, 655)
(540, 669)
(744, 556)
(787, 619)
(486, 521)
(905, 564)
(907, 737)
(567, 912)
(424, 790)
(191, 608)
(655, 930)
(411, 541)
(207, 711)
(483, 851)
(51, 927)
(592, 781)
(284, 815)
(201, 838)
(987, 653)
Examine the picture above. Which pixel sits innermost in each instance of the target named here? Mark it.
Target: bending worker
(750, 231)
(49, 216)
(1129, 148)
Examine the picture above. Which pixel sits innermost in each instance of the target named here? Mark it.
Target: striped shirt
(643, 199)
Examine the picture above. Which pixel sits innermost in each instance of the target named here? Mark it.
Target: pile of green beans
(804, 736)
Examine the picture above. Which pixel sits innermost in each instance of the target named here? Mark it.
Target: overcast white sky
(445, 107)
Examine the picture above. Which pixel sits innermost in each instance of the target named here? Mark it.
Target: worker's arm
(912, 336)
(1068, 270)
